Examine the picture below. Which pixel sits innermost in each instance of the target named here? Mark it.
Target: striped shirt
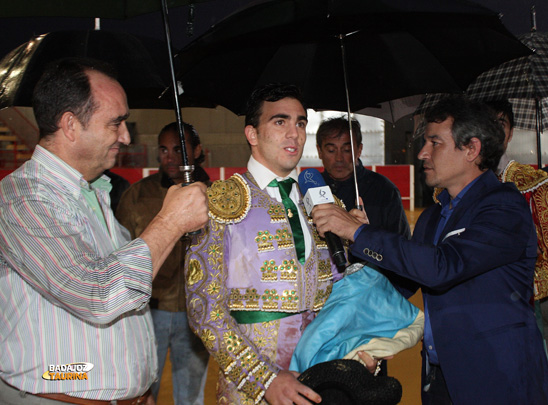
(71, 290)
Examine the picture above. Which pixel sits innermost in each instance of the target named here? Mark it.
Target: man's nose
(423, 153)
(124, 137)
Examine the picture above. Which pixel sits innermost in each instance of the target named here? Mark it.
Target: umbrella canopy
(523, 81)
(392, 48)
(86, 8)
(393, 110)
(141, 64)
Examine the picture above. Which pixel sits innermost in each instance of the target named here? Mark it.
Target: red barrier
(401, 175)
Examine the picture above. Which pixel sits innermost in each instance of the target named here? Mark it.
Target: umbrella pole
(538, 125)
(343, 54)
(185, 168)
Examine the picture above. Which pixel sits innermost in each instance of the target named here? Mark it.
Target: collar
(503, 163)
(445, 199)
(66, 175)
(263, 176)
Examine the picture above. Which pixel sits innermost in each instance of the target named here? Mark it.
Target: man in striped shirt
(75, 326)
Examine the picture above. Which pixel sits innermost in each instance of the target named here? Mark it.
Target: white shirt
(263, 176)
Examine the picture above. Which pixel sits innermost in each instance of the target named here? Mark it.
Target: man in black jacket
(381, 198)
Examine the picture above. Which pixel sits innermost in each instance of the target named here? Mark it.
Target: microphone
(316, 192)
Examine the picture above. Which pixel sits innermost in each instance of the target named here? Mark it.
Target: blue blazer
(478, 281)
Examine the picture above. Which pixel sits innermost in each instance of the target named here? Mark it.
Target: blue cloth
(362, 306)
(188, 357)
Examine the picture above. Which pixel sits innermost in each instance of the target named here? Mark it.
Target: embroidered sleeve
(209, 316)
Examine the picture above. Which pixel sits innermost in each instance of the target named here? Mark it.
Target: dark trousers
(434, 390)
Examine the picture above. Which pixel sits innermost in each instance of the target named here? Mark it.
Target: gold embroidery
(208, 338)
(229, 200)
(288, 270)
(321, 297)
(289, 213)
(213, 288)
(224, 360)
(320, 243)
(269, 271)
(232, 341)
(264, 240)
(236, 375)
(251, 390)
(261, 371)
(533, 185)
(249, 361)
(324, 270)
(251, 299)
(270, 299)
(277, 213)
(236, 299)
(525, 177)
(290, 300)
(284, 238)
(195, 272)
(216, 314)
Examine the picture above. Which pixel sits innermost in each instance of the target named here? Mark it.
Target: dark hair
(504, 107)
(271, 92)
(471, 119)
(338, 127)
(64, 86)
(194, 138)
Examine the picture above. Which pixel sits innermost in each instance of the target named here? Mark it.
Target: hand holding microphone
(316, 192)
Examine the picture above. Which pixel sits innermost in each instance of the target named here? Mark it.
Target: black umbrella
(346, 54)
(86, 8)
(111, 9)
(393, 49)
(141, 64)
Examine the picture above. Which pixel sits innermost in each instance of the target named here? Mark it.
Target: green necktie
(292, 213)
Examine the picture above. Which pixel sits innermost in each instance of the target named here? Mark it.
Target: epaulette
(339, 202)
(436, 193)
(525, 177)
(229, 200)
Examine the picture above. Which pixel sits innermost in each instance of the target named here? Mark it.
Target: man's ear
(69, 124)
(473, 149)
(358, 152)
(197, 151)
(251, 135)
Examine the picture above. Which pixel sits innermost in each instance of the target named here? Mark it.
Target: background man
(381, 198)
(533, 185)
(138, 207)
(473, 255)
(260, 273)
(73, 287)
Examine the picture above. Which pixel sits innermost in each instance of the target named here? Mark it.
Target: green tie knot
(291, 210)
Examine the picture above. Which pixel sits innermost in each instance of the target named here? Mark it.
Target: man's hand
(332, 218)
(369, 362)
(286, 389)
(186, 207)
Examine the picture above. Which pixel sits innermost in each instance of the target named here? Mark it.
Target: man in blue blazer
(473, 255)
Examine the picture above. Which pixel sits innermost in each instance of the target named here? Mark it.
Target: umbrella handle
(351, 132)
(187, 180)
